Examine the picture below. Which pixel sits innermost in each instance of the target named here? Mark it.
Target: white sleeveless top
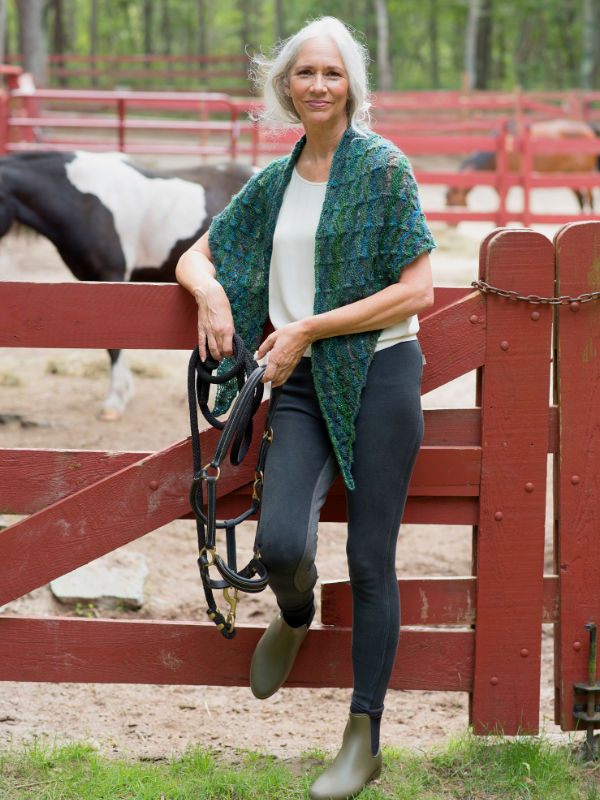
(292, 271)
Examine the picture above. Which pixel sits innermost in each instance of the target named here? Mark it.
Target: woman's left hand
(286, 347)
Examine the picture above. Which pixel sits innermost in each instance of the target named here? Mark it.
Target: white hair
(274, 73)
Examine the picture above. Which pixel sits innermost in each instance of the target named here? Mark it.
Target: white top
(292, 271)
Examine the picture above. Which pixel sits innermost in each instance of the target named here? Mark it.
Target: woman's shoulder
(376, 152)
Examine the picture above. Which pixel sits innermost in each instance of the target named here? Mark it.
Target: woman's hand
(285, 347)
(196, 273)
(215, 321)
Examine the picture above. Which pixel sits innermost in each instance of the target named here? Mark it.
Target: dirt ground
(50, 399)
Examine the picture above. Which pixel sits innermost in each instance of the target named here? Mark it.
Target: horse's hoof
(109, 415)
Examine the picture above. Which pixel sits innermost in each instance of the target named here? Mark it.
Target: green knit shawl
(371, 226)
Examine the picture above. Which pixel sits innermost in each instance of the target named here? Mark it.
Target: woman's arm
(412, 294)
(196, 273)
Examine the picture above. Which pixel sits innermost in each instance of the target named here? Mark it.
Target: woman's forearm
(196, 273)
(195, 269)
(413, 294)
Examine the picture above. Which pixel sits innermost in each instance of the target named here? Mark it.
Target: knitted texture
(371, 226)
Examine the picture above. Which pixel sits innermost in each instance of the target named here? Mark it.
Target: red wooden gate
(483, 466)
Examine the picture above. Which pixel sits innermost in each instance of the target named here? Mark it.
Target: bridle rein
(235, 438)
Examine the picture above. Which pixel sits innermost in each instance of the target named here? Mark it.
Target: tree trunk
(245, 7)
(279, 24)
(2, 29)
(31, 39)
(384, 71)
(471, 45)
(94, 39)
(166, 27)
(434, 43)
(483, 52)
(590, 43)
(148, 37)
(202, 28)
(59, 38)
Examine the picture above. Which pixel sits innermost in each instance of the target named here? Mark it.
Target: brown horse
(542, 162)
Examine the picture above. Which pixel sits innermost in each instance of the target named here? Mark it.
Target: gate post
(509, 538)
(577, 482)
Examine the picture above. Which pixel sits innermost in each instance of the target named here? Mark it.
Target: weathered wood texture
(577, 496)
(514, 443)
(116, 651)
(483, 466)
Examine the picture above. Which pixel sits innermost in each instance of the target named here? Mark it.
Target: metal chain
(535, 299)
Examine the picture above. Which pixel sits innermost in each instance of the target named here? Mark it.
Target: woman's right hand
(215, 321)
(196, 273)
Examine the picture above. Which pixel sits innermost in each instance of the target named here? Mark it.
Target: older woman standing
(330, 243)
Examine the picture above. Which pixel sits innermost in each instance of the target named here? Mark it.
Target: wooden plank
(457, 331)
(428, 601)
(510, 538)
(445, 296)
(75, 314)
(166, 652)
(109, 513)
(578, 463)
(33, 479)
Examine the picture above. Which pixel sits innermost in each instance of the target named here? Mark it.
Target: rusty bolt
(524, 652)
(494, 680)
(535, 315)
(529, 486)
(498, 516)
(575, 479)
(504, 345)
(577, 646)
(574, 306)
(474, 319)
(153, 485)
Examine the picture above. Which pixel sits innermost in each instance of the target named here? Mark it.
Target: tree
(470, 72)
(31, 39)
(590, 44)
(483, 48)
(2, 28)
(384, 70)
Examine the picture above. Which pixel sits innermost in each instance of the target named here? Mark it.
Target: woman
(330, 244)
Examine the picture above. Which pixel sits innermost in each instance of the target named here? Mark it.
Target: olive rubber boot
(353, 767)
(274, 657)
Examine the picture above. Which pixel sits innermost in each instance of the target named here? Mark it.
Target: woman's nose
(319, 82)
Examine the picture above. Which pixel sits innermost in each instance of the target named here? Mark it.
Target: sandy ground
(60, 392)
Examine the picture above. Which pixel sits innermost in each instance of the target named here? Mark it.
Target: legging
(299, 471)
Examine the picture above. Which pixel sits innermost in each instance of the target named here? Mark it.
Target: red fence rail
(228, 72)
(483, 466)
(210, 125)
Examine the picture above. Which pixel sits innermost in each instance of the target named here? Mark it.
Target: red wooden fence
(483, 466)
(228, 72)
(216, 125)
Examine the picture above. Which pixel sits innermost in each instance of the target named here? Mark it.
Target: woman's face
(318, 84)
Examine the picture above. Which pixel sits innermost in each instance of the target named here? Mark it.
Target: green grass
(469, 768)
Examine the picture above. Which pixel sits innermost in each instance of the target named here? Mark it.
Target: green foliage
(533, 45)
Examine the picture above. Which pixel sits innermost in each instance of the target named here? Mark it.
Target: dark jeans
(300, 469)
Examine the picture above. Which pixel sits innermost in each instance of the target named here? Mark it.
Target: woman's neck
(314, 162)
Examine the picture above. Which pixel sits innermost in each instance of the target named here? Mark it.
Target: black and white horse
(112, 220)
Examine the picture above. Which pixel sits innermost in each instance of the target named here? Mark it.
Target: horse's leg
(590, 199)
(121, 387)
